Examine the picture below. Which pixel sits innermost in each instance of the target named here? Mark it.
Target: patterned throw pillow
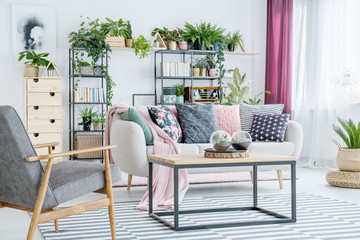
(198, 122)
(166, 120)
(247, 113)
(269, 127)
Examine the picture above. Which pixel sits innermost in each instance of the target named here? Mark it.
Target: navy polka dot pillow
(269, 128)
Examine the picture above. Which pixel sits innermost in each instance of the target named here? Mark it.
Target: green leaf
(233, 89)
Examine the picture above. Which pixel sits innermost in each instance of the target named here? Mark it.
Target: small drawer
(40, 138)
(51, 98)
(44, 112)
(43, 126)
(43, 85)
(44, 151)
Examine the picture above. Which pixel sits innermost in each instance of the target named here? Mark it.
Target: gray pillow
(198, 122)
(247, 113)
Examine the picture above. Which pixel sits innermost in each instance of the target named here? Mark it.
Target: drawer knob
(52, 120)
(36, 107)
(36, 134)
(53, 147)
(35, 80)
(52, 94)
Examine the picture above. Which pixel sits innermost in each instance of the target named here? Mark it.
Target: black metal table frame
(176, 212)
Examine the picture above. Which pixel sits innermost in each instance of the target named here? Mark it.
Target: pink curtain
(279, 52)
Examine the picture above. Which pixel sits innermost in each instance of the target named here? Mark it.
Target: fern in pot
(348, 158)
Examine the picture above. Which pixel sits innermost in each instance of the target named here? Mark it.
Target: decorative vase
(129, 43)
(196, 72)
(213, 72)
(172, 45)
(183, 45)
(348, 159)
(179, 99)
(50, 72)
(203, 72)
(220, 140)
(216, 47)
(87, 123)
(231, 47)
(31, 71)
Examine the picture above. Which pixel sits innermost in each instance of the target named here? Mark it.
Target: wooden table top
(188, 159)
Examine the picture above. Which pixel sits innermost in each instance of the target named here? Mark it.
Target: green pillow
(133, 116)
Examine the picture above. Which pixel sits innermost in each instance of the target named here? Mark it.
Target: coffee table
(199, 161)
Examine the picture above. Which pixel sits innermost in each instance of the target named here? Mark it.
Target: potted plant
(196, 69)
(203, 67)
(163, 32)
(180, 92)
(238, 88)
(87, 114)
(142, 47)
(172, 37)
(128, 34)
(84, 68)
(233, 40)
(348, 158)
(98, 121)
(191, 34)
(211, 64)
(50, 69)
(221, 43)
(116, 30)
(34, 61)
(183, 45)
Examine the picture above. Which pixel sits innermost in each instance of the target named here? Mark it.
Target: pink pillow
(228, 118)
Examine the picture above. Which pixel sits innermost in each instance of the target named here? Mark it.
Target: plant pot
(87, 123)
(50, 72)
(31, 71)
(198, 45)
(129, 43)
(179, 99)
(172, 45)
(183, 45)
(97, 126)
(156, 44)
(348, 159)
(115, 41)
(203, 72)
(196, 72)
(231, 47)
(217, 47)
(213, 72)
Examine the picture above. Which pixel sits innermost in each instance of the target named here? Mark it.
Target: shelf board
(87, 76)
(82, 131)
(189, 78)
(241, 53)
(88, 103)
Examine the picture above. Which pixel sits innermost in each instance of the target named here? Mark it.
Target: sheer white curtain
(326, 82)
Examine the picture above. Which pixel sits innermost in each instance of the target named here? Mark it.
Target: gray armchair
(25, 185)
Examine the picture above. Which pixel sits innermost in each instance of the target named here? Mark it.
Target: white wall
(131, 74)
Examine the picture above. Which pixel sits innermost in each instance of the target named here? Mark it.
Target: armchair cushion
(72, 179)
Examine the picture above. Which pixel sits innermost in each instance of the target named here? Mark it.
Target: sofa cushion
(197, 121)
(184, 149)
(228, 118)
(269, 127)
(247, 113)
(133, 116)
(167, 121)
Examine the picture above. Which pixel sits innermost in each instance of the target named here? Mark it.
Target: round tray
(230, 153)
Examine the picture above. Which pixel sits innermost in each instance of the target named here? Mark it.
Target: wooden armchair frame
(54, 213)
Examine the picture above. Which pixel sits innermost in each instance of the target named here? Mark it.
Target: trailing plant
(128, 32)
(256, 100)
(220, 63)
(114, 28)
(142, 47)
(234, 38)
(351, 136)
(34, 59)
(180, 90)
(238, 89)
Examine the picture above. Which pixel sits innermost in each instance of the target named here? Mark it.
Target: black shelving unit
(184, 54)
(74, 106)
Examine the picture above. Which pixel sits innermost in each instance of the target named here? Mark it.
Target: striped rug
(318, 218)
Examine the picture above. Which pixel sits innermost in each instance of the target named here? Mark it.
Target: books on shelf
(176, 69)
(89, 95)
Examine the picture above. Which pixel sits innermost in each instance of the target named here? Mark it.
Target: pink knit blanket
(163, 177)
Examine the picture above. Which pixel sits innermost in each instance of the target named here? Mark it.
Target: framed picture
(33, 28)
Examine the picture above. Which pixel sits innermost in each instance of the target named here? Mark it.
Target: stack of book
(176, 69)
(89, 95)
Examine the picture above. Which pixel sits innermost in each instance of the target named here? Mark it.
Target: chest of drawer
(43, 85)
(40, 138)
(44, 125)
(44, 112)
(52, 98)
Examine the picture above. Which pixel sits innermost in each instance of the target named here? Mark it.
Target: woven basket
(343, 179)
(83, 141)
(348, 159)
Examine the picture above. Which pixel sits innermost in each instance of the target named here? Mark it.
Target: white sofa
(131, 152)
